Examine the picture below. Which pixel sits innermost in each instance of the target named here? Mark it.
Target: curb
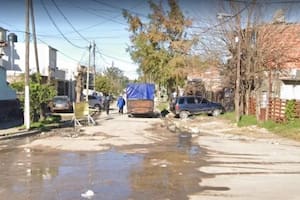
(18, 134)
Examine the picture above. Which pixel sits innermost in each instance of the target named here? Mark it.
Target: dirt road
(216, 161)
(249, 164)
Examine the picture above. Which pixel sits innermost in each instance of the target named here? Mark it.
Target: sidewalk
(11, 129)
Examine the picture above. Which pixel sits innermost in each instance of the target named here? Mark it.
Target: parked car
(185, 106)
(61, 103)
(95, 102)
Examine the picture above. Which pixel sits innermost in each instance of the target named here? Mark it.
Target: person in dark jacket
(106, 103)
(121, 104)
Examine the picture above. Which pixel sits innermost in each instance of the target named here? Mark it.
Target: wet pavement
(167, 171)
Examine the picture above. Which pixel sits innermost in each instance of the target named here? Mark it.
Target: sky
(70, 26)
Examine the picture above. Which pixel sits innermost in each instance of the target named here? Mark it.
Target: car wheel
(184, 114)
(97, 107)
(216, 112)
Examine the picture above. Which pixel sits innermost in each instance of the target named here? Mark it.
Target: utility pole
(94, 64)
(27, 96)
(238, 79)
(34, 40)
(88, 75)
(238, 42)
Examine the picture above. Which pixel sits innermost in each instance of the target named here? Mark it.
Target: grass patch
(289, 129)
(45, 124)
(247, 120)
(229, 116)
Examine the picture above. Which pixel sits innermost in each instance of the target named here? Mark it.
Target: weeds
(289, 129)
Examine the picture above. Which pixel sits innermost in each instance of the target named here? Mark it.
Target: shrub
(290, 110)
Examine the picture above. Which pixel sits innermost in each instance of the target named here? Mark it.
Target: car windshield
(60, 99)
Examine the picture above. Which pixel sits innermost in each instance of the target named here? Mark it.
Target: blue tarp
(140, 91)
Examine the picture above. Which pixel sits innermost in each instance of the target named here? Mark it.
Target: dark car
(61, 103)
(185, 106)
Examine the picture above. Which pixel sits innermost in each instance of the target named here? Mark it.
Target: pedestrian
(106, 103)
(121, 104)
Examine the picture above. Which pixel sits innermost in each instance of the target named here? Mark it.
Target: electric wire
(67, 20)
(57, 28)
(226, 20)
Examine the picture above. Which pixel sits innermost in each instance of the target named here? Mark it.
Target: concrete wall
(46, 56)
(6, 92)
(290, 91)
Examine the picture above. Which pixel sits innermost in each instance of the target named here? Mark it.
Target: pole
(27, 96)
(35, 42)
(88, 75)
(237, 81)
(94, 64)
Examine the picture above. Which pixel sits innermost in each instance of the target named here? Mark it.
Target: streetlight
(237, 38)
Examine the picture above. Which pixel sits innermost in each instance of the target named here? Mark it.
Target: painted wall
(290, 91)
(46, 56)
(6, 92)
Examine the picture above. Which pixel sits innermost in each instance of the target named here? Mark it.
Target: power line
(53, 1)
(119, 8)
(57, 28)
(266, 1)
(224, 21)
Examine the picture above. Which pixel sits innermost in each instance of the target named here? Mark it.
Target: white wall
(288, 91)
(46, 56)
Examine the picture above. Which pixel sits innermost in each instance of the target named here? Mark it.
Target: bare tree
(265, 48)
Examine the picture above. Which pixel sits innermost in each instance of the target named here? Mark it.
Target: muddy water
(167, 171)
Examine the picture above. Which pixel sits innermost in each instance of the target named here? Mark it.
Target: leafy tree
(103, 84)
(160, 46)
(112, 81)
(40, 95)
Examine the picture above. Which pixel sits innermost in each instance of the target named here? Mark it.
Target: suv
(95, 102)
(185, 106)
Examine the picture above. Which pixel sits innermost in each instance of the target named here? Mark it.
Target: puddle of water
(185, 144)
(27, 174)
(168, 171)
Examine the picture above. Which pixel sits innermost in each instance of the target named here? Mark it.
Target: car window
(91, 97)
(198, 100)
(181, 101)
(60, 99)
(190, 100)
(204, 101)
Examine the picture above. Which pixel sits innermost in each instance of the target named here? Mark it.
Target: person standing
(121, 104)
(106, 103)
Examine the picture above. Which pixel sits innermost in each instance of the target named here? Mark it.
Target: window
(92, 97)
(204, 101)
(190, 100)
(181, 101)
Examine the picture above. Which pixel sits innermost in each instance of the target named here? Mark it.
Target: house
(14, 63)
(283, 79)
(9, 105)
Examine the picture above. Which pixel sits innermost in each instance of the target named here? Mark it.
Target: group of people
(120, 103)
